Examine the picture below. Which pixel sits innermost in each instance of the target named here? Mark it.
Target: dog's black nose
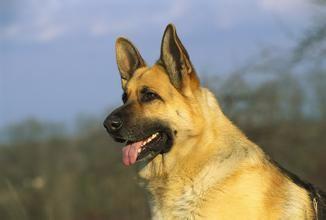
(113, 123)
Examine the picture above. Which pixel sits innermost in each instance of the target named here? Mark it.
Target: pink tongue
(130, 153)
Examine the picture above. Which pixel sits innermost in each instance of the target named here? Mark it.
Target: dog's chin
(147, 146)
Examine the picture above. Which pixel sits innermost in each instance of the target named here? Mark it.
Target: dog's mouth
(147, 148)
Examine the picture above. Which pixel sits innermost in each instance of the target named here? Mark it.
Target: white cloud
(288, 8)
(103, 27)
(48, 20)
(39, 33)
(106, 25)
(50, 33)
(231, 13)
(176, 10)
(99, 28)
(36, 21)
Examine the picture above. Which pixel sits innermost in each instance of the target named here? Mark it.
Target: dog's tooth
(149, 139)
(139, 150)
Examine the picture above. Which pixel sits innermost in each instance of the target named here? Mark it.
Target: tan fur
(213, 171)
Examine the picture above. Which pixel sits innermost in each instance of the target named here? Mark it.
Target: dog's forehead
(150, 77)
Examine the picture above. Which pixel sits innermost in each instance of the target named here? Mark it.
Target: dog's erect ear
(176, 60)
(128, 59)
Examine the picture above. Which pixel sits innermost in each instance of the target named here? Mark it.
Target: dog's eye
(124, 97)
(149, 96)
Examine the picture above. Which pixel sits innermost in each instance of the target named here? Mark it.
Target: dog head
(159, 103)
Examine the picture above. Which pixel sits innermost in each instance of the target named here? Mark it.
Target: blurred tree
(32, 130)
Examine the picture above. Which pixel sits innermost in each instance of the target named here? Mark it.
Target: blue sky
(57, 56)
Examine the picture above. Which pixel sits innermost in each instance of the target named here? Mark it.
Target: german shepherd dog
(195, 163)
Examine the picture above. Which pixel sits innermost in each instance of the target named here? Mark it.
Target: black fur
(317, 196)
